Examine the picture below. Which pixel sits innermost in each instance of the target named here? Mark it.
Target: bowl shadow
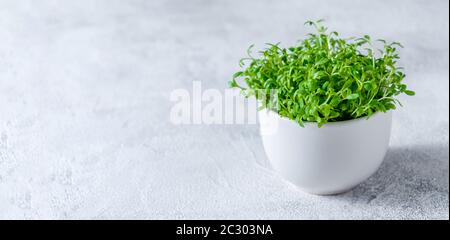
(407, 178)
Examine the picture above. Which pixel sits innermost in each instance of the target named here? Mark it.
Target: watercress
(324, 78)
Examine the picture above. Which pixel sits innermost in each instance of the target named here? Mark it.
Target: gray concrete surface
(84, 111)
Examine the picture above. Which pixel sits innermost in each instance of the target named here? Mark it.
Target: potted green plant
(332, 105)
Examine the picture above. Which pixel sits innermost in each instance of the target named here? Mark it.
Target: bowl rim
(337, 123)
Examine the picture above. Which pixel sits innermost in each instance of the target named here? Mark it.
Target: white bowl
(327, 160)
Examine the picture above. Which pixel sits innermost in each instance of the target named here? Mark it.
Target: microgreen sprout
(324, 78)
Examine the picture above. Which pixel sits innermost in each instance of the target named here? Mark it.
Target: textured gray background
(84, 111)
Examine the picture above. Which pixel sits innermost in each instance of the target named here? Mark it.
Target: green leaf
(325, 110)
(238, 74)
(232, 84)
(352, 96)
(410, 93)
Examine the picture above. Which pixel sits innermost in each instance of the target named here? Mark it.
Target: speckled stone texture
(84, 111)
